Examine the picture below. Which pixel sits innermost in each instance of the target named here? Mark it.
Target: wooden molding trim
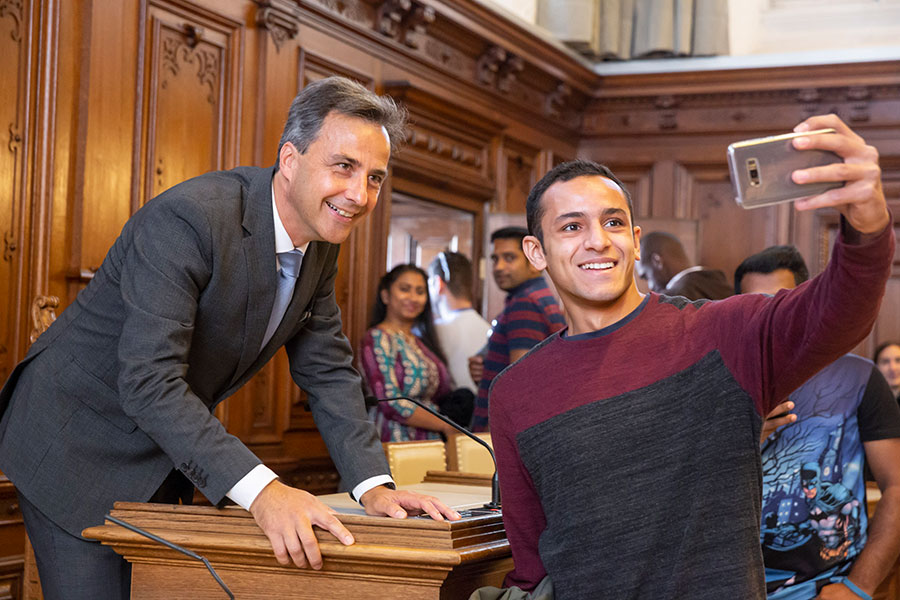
(438, 150)
(473, 45)
(278, 18)
(863, 94)
(740, 81)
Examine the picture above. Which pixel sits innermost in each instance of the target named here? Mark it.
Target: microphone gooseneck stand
(175, 547)
(494, 504)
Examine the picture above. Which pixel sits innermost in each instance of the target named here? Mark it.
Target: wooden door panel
(191, 96)
(14, 97)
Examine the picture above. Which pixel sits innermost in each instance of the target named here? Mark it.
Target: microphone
(169, 544)
(494, 504)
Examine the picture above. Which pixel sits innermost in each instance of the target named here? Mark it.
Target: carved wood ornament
(499, 68)
(811, 100)
(43, 313)
(185, 48)
(281, 24)
(523, 67)
(557, 101)
(15, 138)
(13, 9)
(859, 97)
(419, 138)
(404, 21)
(667, 106)
(10, 245)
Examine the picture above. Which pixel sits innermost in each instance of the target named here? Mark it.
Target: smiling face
(323, 193)
(405, 299)
(589, 251)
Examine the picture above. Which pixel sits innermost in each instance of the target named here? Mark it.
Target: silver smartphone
(761, 169)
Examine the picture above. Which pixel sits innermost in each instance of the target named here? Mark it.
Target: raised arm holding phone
(634, 432)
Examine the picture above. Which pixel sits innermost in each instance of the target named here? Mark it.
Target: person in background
(461, 331)
(815, 530)
(665, 266)
(887, 359)
(400, 356)
(529, 315)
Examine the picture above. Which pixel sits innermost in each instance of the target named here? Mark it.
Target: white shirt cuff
(248, 488)
(370, 483)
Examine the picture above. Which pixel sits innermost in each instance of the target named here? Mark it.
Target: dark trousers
(71, 567)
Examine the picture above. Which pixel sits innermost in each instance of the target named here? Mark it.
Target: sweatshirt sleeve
(773, 344)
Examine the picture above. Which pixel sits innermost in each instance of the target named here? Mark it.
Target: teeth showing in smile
(343, 213)
(601, 266)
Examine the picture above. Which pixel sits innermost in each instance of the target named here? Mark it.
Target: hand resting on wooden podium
(383, 501)
(287, 515)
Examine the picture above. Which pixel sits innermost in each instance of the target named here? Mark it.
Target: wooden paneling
(190, 95)
(520, 168)
(102, 129)
(277, 75)
(12, 542)
(15, 41)
(666, 135)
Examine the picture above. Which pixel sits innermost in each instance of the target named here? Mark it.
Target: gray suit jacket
(121, 387)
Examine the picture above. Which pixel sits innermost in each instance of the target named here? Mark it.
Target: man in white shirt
(462, 331)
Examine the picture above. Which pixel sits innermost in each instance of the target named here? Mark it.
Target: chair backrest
(465, 454)
(409, 461)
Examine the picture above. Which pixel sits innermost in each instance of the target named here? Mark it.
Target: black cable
(176, 547)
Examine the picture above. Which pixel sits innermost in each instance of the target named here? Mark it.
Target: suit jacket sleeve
(164, 270)
(322, 365)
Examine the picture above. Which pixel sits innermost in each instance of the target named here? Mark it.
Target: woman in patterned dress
(399, 356)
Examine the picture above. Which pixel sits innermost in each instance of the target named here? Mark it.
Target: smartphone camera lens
(753, 170)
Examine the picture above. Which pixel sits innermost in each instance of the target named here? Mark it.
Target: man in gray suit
(114, 401)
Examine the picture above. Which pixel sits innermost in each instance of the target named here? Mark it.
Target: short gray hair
(339, 94)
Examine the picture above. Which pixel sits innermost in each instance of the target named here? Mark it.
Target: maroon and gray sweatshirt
(629, 456)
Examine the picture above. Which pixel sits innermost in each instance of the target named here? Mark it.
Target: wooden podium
(392, 558)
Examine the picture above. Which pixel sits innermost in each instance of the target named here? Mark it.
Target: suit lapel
(259, 258)
(306, 287)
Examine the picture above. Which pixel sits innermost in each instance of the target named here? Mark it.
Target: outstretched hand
(383, 501)
(861, 200)
(287, 515)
